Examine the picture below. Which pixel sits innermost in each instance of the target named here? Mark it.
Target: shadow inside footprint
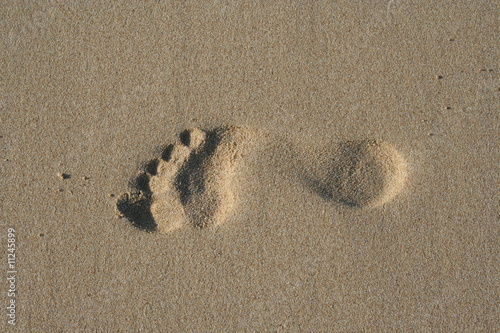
(135, 207)
(190, 178)
(318, 187)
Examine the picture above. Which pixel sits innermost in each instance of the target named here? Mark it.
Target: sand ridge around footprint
(192, 183)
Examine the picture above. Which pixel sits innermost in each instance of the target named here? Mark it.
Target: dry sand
(250, 166)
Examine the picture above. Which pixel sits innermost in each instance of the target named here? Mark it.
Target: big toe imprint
(364, 173)
(192, 183)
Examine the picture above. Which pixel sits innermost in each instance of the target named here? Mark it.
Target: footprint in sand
(193, 183)
(364, 173)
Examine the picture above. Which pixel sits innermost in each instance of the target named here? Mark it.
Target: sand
(252, 166)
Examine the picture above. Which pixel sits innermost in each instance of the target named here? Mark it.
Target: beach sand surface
(335, 166)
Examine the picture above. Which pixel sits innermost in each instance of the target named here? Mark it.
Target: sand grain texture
(338, 172)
